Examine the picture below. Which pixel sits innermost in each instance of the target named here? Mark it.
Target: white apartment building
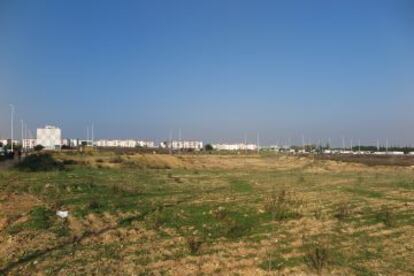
(124, 143)
(234, 147)
(29, 143)
(146, 144)
(49, 137)
(72, 143)
(183, 145)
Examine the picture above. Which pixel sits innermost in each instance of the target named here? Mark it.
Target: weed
(94, 204)
(236, 229)
(194, 244)
(281, 206)
(343, 211)
(220, 213)
(387, 217)
(318, 213)
(317, 256)
(116, 160)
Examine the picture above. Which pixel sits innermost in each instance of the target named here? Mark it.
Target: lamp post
(22, 134)
(11, 125)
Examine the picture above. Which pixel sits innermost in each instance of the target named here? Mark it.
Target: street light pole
(22, 126)
(11, 125)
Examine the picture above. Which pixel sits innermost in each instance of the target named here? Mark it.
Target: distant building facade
(234, 147)
(182, 145)
(129, 143)
(49, 137)
(29, 143)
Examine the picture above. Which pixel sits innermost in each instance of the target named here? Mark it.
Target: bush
(38, 147)
(40, 162)
(208, 147)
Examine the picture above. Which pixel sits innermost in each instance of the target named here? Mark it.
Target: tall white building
(49, 137)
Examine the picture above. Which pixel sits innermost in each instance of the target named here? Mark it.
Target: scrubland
(187, 214)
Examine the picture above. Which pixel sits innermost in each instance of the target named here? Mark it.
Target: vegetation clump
(281, 205)
(40, 162)
(194, 244)
(343, 211)
(387, 217)
(317, 256)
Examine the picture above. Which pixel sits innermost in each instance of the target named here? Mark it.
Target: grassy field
(155, 214)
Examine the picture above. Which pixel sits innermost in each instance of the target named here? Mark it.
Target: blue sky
(217, 70)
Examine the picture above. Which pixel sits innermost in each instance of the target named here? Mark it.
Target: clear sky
(217, 69)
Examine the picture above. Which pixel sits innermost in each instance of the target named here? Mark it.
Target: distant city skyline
(217, 70)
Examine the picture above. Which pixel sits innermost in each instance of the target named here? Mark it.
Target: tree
(208, 147)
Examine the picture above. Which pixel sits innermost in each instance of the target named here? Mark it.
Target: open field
(155, 214)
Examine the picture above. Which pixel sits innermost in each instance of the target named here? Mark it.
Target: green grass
(241, 186)
(364, 192)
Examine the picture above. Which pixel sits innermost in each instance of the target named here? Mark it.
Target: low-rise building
(395, 153)
(182, 145)
(234, 147)
(29, 143)
(128, 143)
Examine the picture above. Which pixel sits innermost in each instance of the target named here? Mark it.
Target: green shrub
(40, 162)
(38, 147)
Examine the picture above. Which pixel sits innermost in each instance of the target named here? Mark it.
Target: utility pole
(22, 125)
(258, 142)
(352, 144)
(245, 143)
(92, 134)
(303, 142)
(170, 142)
(179, 139)
(386, 145)
(11, 125)
(87, 136)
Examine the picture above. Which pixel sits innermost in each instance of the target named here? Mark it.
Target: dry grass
(211, 214)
